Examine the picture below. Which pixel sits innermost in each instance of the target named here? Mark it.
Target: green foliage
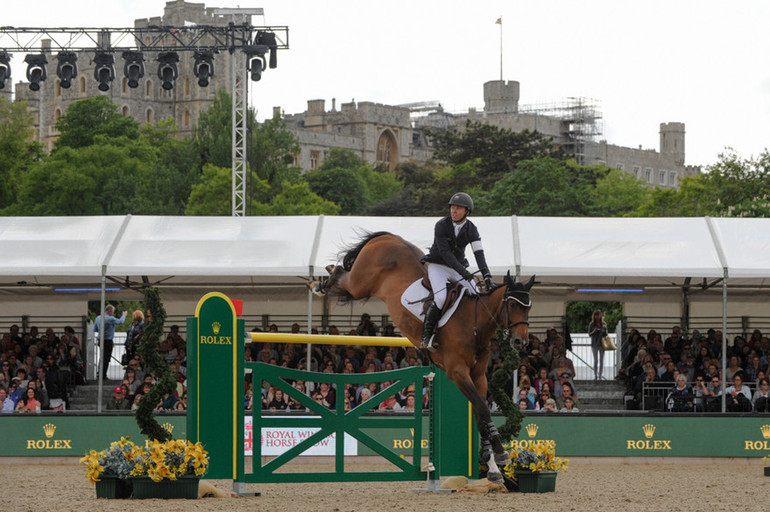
(297, 199)
(18, 153)
(618, 193)
(155, 364)
(498, 382)
(89, 118)
(213, 133)
(579, 315)
(732, 187)
(213, 194)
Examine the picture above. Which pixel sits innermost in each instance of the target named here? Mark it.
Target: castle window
(672, 178)
(125, 85)
(637, 171)
(387, 150)
(56, 115)
(149, 116)
(124, 111)
(648, 174)
(662, 177)
(82, 85)
(148, 89)
(315, 159)
(186, 87)
(186, 118)
(57, 88)
(619, 166)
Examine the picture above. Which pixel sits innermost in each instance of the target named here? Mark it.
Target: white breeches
(439, 275)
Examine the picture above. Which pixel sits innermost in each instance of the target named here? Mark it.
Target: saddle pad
(412, 298)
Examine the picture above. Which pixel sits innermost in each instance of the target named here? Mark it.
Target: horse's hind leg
(321, 286)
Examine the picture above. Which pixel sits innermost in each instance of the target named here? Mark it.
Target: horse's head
(516, 305)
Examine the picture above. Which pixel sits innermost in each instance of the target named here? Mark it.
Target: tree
(18, 151)
(543, 186)
(212, 195)
(89, 118)
(297, 199)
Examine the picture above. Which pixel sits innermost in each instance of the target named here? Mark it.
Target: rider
(446, 259)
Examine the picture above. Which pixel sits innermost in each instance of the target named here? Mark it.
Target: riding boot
(432, 317)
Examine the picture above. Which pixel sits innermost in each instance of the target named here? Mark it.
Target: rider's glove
(488, 281)
(467, 276)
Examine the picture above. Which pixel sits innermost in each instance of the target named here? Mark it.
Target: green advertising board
(215, 357)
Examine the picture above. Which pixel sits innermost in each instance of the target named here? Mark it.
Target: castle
(383, 135)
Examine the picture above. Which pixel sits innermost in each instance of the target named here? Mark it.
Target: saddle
(418, 295)
(454, 290)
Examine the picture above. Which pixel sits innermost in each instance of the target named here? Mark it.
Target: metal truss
(161, 38)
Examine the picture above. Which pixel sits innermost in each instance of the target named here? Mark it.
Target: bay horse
(383, 265)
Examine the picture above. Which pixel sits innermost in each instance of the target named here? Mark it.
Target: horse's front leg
(494, 442)
(492, 449)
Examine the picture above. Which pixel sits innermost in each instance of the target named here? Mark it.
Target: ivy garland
(498, 383)
(155, 364)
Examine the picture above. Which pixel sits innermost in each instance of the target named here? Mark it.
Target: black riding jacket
(449, 249)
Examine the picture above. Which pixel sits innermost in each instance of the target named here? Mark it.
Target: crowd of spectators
(690, 368)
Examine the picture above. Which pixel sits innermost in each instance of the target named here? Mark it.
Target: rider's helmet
(462, 199)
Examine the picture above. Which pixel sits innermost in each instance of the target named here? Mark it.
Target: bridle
(520, 296)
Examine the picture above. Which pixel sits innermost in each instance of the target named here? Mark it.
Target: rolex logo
(531, 429)
(765, 431)
(49, 429)
(649, 430)
(216, 326)
(168, 427)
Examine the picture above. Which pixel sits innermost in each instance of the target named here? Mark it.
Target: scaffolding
(581, 122)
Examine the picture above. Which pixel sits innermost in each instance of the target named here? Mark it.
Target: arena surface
(588, 485)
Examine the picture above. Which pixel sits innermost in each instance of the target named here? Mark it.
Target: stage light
(67, 68)
(167, 71)
(268, 39)
(36, 72)
(204, 66)
(255, 67)
(104, 70)
(133, 69)
(5, 68)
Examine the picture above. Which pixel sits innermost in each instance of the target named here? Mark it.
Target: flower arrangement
(171, 459)
(119, 460)
(162, 460)
(538, 457)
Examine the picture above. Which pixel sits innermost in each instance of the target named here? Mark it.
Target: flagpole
(500, 22)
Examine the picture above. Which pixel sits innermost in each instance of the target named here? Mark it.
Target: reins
(508, 325)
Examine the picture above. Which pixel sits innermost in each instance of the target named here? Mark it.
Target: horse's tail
(352, 253)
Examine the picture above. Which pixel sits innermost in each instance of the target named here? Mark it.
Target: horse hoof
(315, 287)
(496, 478)
(502, 459)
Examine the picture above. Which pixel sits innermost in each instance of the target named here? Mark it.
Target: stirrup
(429, 345)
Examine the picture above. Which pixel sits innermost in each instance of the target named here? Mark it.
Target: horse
(383, 265)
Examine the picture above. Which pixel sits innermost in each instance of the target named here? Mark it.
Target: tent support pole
(101, 344)
(724, 340)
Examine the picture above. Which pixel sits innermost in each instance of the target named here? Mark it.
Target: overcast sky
(700, 62)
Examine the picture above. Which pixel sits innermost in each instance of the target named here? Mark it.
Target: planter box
(113, 487)
(185, 487)
(536, 481)
(767, 470)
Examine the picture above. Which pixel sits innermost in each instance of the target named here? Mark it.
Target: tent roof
(272, 249)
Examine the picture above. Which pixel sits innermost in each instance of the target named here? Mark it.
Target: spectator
(699, 395)
(6, 404)
(567, 391)
(562, 363)
(523, 404)
(713, 393)
(761, 398)
(732, 369)
(543, 398)
(738, 395)
(118, 401)
(73, 339)
(549, 406)
(29, 402)
(14, 391)
(174, 339)
(278, 402)
(569, 406)
(135, 365)
(133, 335)
(564, 377)
(366, 327)
(649, 377)
(328, 395)
(524, 396)
(408, 406)
(109, 333)
(753, 368)
(597, 330)
(42, 394)
(681, 397)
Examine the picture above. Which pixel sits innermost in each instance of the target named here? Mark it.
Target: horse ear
(531, 282)
(508, 279)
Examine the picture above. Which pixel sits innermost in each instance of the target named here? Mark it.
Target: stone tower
(672, 141)
(501, 96)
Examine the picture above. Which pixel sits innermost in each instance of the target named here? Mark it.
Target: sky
(700, 62)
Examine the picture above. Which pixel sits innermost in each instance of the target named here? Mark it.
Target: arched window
(149, 116)
(186, 87)
(387, 150)
(186, 119)
(148, 89)
(125, 111)
(57, 88)
(56, 115)
(125, 85)
(82, 85)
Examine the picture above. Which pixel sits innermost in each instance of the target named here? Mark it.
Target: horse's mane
(350, 254)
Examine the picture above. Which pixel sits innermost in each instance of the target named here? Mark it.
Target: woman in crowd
(29, 402)
(761, 398)
(597, 330)
(134, 334)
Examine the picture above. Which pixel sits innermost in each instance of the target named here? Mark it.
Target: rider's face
(457, 212)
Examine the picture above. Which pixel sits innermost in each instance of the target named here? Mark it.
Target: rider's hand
(467, 276)
(489, 283)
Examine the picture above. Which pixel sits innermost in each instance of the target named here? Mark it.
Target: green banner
(62, 435)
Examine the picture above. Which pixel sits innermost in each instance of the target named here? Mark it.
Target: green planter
(113, 487)
(185, 487)
(536, 481)
(767, 470)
